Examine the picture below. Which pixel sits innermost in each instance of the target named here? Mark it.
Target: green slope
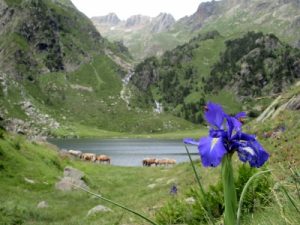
(58, 71)
(227, 71)
(176, 78)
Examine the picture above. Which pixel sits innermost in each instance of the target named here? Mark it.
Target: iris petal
(214, 115)
(233, 125)
(240, 115)
(244, 137)
(190, 141)
(253, 153)
(211, 150)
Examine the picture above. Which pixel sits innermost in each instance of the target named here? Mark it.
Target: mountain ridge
(229, 17)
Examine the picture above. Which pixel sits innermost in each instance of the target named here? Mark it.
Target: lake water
(130, 152)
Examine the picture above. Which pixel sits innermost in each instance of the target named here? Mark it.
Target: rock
(151, 186)
(190, 200)
(42, 205)
(69, 184)
(73, 173)
(72, 178)
(97, 209)
(162, 22)
(137, 20)
(29, 180)
(268, 111)
(294, 103)
(110, 19)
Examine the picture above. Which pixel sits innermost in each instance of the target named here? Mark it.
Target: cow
(148, 161)
(103, 158)
(88, 157)
(75, 153)
(165, 162)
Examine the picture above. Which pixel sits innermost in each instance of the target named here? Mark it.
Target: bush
(258, 193)
(178, 211)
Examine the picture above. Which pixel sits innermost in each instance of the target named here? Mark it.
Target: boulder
(73, 173)
(69, 184)
(42, 205)
(190, 200)
(151, 186)
(72, 178)
(97, 209)
(29, 180)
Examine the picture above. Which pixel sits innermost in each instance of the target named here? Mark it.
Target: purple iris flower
(226, 136)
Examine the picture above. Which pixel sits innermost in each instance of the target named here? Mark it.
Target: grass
(22, 160)
(83, 131)
(228, 100)
(143, 189)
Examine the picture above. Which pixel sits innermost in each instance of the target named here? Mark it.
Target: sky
(127, 8)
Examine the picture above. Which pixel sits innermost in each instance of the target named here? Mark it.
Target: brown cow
(103, 158)
(148, 161)
(165, 162)
(88, 157)
(171, 161)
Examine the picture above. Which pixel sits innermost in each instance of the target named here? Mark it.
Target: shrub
(180, 212)
(1, 133)
(258, 193)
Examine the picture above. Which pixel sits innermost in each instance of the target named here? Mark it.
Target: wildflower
(173, 190)
(226, 137)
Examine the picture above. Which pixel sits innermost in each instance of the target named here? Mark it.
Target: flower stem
(117, 204)
(195, 172)
(230, 199)
(207, 212)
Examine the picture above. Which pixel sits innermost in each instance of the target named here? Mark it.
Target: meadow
(144, 189)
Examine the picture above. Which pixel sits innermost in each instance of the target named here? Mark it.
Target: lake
(130, 152)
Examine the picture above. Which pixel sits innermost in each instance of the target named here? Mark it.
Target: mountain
(59, 76)
(233, 72)
(111, 19)
(231, 18)
(135, 32)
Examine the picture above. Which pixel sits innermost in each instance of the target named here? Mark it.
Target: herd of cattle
(158, 162)
(92, 157)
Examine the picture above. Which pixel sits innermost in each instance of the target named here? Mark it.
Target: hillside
(231, 18)
(255, 65)
(59, 75)
(209, 67)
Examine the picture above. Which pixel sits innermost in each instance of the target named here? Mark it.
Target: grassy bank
(29, 172)
(81, 131)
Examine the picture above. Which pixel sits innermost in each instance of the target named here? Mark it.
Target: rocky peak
(232, 3)
(137, 20)
(111, 19)
(162, 22)
(205, 10)
(297, 2)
